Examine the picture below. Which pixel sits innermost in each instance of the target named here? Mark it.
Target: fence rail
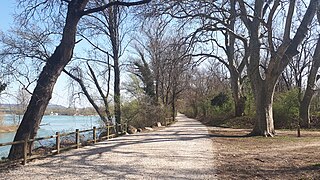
(111, 131)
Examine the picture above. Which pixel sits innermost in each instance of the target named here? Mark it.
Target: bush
(286, 109)
(219, 100)
(225, 108)
(141, 113)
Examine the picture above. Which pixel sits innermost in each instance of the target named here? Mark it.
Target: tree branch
(114, 3)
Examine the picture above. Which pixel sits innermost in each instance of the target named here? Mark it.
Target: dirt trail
(181, 151)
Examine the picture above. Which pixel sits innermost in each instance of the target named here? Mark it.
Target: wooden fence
(111, 131)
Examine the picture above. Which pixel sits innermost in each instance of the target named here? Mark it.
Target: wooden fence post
(94, 135)
(77, 138)
(25, 151)
(108, 131)
(299, 135)
(58, 142)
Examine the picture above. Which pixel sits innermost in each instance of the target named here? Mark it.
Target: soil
(284, 156)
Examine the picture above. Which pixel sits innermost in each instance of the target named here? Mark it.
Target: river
(49, 126)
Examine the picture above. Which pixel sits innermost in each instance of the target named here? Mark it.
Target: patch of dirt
(285, 156)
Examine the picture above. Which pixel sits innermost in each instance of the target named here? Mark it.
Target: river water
(49, 126)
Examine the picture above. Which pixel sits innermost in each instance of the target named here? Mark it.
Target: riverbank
(8, 128)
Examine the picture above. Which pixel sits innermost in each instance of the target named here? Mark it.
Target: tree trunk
(173, 105)
(235, 73)
(47, 79)
(264, 117)
(115, 41)
(157, 86)
(117, 105)
(173, 110)
(195, 109)
(239, 100)
(239, 105)
(304, 110)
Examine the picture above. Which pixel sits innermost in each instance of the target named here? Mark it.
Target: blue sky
(6, 11)
(60, 95)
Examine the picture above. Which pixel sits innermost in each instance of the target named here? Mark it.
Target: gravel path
(181, 151)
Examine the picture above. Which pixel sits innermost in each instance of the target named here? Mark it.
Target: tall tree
(264, 75)
(110, 24)
(55, 64)
(114, 22)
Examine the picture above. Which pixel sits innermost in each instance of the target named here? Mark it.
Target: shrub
(142, 113)
(225, 108)
(219, 100)
(286, 109)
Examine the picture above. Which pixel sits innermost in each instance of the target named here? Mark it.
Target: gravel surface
(181, 151)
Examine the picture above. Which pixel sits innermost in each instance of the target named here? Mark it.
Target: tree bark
(264, 116)
(304, 110)
(117, 102)
(48, 78)
(239, 99)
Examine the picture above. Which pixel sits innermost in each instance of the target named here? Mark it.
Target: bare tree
(110, 24)
(269, 43)
(260, 20)
(203, 85)
(164, 56)
(55, 64)
(155, 44)
(214, 29)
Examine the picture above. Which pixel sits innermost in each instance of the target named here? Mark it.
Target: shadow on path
(182, 151)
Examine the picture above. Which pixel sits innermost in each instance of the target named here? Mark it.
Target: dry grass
(282, 157)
